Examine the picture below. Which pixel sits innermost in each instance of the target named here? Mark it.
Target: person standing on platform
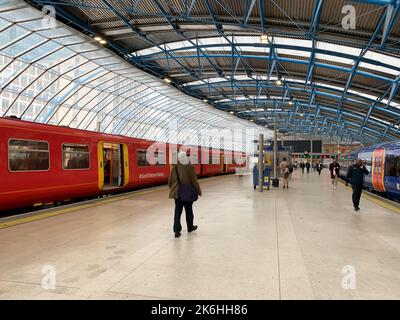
(319, 168)
(334, 168)
(184, 188)
(355, 175)
(302, 166)
(285, 173)
(308, 166)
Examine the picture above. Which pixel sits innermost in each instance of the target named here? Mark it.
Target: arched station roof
(51, 73)
(335, 81)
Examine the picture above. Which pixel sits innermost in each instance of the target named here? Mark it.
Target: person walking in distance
(334, 168)
(308, 166)
(184, 189)
(319, 168)
(355, 175)
(302, 166)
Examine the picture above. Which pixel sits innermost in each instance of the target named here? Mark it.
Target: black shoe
(193, 229)
(357, 209)
(177, 234)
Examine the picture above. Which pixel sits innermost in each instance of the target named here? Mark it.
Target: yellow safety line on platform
(381, 203)
(57, 212)
(78, 207)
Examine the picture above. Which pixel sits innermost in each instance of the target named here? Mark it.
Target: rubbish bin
(266, 177)
(255, 177)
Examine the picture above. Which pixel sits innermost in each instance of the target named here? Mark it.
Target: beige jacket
(187, 175)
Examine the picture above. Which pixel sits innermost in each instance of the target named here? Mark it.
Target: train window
(194, 158)
(75, 156)
(160, 156)
(141, 158)
(392, 165)
(142, 161)
(27, 155)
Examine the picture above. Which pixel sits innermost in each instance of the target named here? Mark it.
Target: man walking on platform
(334, 168)
(308, 167)
(355, 175)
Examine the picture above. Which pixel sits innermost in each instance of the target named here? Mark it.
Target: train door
(113, 165)
(222, 162)
(378, 172)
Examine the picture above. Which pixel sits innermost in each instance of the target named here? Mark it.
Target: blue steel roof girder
(180, 33)
(373, 106)
(143, 36)
(393, 90)
(152, 56)
(231, 42)
(391, 15)
(299, 61)
(358, 60)
(222, 33)
(313, 31)
(386, 109)
(189, 7)
(248, 8)
(261, 9)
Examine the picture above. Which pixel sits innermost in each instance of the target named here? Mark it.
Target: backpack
(290, 168)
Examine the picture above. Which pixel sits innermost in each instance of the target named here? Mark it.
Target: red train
(43, 163)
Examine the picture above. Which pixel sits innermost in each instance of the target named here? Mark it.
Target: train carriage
(43, 163)
(383, 163)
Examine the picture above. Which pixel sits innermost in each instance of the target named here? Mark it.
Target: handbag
(186, 192)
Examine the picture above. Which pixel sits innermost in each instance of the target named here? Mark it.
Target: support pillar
(260, 163)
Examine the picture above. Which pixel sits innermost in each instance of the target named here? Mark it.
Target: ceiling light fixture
(278, 82)
(264, 38)
(167, 80)
(205, 100)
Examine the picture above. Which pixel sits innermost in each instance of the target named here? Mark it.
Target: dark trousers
(179, 205)
(357, 190)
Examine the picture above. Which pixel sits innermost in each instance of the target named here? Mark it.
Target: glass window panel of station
(82, 45)
(4, 24)
(11, 35)
(97, 54)
(72, 41)
(56, 57)
(11, 71)
(40, 52)
(84, 68)
(54, 33)
(21, 14)
(22, 45)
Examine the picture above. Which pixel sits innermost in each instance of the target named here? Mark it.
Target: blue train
(383, 164)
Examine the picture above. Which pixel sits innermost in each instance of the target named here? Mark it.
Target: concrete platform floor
(301, 243)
